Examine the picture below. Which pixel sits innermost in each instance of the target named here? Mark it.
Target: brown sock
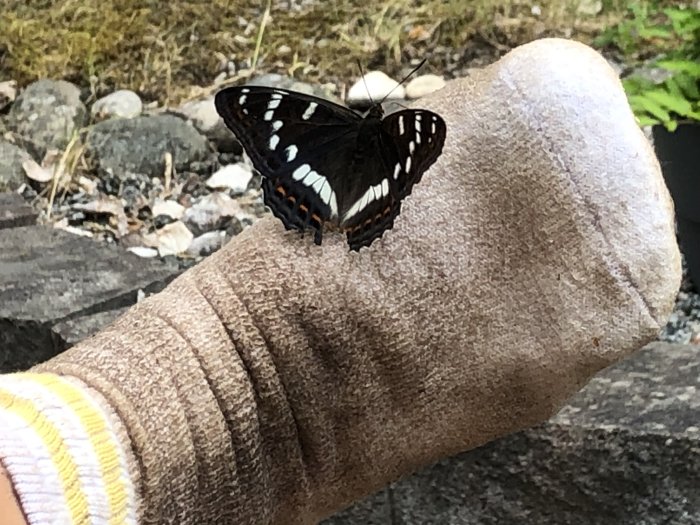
(278, 381)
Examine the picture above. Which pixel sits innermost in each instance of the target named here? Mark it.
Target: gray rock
(14, 211)
(423, 85)
(123, 103)
(138, 146)
(212, 212)
(235, 177)
(168, 207)
(558, 476)
(206, 243)
(655, 75)
(8, 93)
(624, 451)
(375, 86)
(617, 66)
(270, 80)
(683, 325)
(11, 171)
(373, 510)
(204, 117)
(48, 277)
(589, 7)
(655, 391)
(46, 114)
(73, 331)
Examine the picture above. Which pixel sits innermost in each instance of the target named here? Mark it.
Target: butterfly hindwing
(412, 140)
(409, 142)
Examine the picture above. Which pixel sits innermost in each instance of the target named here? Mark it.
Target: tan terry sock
(278, 381)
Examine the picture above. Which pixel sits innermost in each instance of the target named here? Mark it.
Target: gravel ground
(684, 324)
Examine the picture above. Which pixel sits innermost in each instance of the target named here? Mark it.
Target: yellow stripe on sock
(101, 438)
(67, 470)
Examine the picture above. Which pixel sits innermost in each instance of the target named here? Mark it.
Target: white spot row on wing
(319, 184)
(375, 192)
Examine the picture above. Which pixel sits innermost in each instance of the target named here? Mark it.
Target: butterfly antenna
(404, 79)
(362, 74)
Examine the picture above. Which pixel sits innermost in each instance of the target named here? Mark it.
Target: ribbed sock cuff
(66, 463)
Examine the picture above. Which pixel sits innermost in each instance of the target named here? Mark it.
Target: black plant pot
(679, 155)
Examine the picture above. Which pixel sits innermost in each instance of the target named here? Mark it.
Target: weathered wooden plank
(49, 276)
(15, 212)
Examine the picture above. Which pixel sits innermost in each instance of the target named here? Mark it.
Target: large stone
(204, 117)
(373, 87)
(49, 277)
(14, 211)
(624, 451)
(375, 510)
(8, 93)
(75, 330)
(424, 85)
(46, 114)
(123, 103)
(138, 146)
(11, 171)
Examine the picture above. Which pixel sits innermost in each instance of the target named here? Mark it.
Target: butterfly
(323, 164)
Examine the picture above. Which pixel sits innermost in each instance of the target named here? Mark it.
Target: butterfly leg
(318, 236)
(313, 220)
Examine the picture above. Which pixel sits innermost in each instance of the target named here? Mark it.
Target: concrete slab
(14, 211)
(49, 276)
(624, 451)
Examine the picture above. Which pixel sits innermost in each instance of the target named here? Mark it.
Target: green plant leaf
(655, 32)
(674, 88)
(636, 85)
(666, 100)
(684, 66)
(643, 121)
(688, 85)
(641, 105)
(684, 21)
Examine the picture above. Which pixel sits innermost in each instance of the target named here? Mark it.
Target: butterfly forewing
(322, 162)
(278, 128)
(297, 142)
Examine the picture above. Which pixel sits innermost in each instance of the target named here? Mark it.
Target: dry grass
(164, 49)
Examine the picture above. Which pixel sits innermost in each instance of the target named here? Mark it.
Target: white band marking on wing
(309, 111)
(291, 152)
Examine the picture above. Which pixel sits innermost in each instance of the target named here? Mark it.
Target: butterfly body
(325, 165)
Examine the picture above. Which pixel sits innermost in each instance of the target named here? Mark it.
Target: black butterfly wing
(413, 142)
(298, 143)
(410, 141)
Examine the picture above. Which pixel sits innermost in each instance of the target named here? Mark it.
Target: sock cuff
(62, 453)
